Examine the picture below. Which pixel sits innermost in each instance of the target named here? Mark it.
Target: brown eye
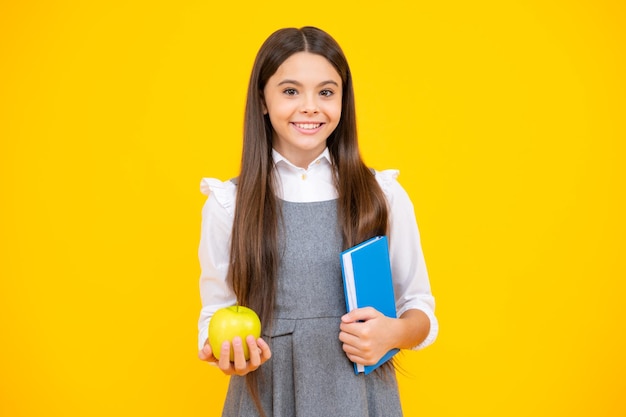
(290, 91)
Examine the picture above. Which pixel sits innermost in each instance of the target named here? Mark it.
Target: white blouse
(315, 183)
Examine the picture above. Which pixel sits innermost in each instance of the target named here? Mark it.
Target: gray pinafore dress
(309, 375)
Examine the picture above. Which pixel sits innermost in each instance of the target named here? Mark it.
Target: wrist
(412, 328)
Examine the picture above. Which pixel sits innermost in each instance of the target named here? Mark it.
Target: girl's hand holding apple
(233, 324)
(259, 354)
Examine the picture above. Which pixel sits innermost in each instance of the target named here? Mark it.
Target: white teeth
(307, 126)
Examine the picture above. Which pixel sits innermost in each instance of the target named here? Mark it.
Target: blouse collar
(281, 160)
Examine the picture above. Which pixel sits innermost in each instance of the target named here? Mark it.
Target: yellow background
(506, 119)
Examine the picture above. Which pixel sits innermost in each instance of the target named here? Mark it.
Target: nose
(309, 106)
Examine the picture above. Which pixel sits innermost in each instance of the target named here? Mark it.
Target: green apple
(229, 322)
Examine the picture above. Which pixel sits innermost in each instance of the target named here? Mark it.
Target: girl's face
(303, 100)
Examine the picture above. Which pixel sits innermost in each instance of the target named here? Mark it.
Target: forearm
(410, 329)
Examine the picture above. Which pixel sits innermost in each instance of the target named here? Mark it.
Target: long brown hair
(362, 209)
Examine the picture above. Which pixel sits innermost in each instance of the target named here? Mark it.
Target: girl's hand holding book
(366, 335)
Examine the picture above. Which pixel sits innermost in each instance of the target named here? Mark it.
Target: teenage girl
(271, 240)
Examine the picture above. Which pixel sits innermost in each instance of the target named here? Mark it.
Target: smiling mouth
(308, 126)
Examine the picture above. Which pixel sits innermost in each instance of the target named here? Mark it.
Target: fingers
(361, 360)
(358, 350)
(259, 354)
(360, 314)
(365, 340)
(205, 353)
(240, 360)
(224, 362)
(266, 353)
(349, 338)
(255, 352)
(359, 330)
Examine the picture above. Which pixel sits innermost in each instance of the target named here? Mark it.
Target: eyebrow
(298, 83)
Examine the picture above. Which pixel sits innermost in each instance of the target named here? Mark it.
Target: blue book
(367, 282)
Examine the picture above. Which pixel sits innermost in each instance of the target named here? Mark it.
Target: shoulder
(224, 193)
(394, 192)
(387, 180)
